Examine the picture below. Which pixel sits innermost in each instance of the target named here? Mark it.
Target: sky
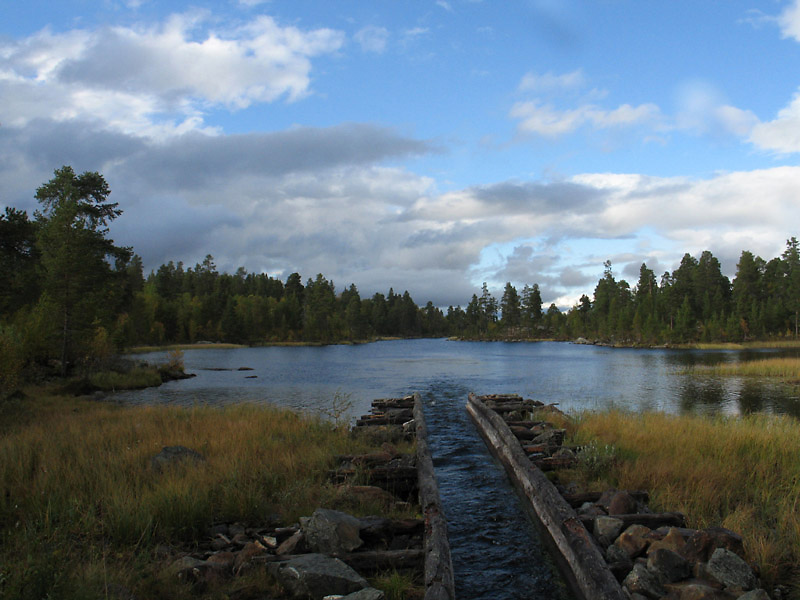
(424, 145)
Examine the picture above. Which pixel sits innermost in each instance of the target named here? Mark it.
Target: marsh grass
(742, 473)
(780, 368)
(137, 378)
(80, 505)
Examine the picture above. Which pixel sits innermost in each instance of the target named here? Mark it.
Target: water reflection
(577, 377)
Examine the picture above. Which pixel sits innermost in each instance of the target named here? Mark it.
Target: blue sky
(425, 145)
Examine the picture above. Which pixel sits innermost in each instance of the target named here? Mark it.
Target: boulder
(730, 570)
(695, 590)
(634, 540)
(552, 437)
(316, 576)
(622, 503)
(757, 594)
(641, 581)
(702, 543)
(672, 541)
(365, 594)
(667, 565)
(295, 544)
(332, 532)
(607, 529)
(173, 455)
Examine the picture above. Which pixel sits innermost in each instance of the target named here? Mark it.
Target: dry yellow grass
(79, 499)
(781, 368)
(740, 473)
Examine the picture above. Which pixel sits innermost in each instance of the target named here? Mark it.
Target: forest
(70, 297)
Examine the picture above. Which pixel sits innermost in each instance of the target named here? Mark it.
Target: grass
(137, 378)
(776, 344)
(741, 473)
(779, 368)
(209, 346)
(81, 508)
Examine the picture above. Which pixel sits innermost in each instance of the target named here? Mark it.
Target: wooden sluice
(409, 477)
(576, 552)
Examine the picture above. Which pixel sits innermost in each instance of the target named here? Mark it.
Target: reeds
(742, 473)
(781, 368)
(79, 498)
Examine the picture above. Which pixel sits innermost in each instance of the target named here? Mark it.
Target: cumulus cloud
(789, 20)
(140, 79)
(372, 38)
(782, 134)
(702, 109)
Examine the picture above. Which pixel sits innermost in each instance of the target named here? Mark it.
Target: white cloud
(789, 20)
(548, 82)
(782, 134)
(445, 5)
(551, 122)
(702, 109)
(372, 38)
(138, 78)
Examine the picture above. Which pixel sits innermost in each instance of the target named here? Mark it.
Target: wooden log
(650, 520)
(575, 550)
(373, 561)
(439, 578)
(578, 500)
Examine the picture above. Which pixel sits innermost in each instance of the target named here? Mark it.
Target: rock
(618, 561)
(591, 509)
(695, 590)
(622, 503)
(295, 544)
(607, 529)
(642, 581)
(605, 499)
(247, 553)
(173, 455)
(634, 540)
(552, 437)
(702, 543)
(221, 560)
(332, 532)
(563, 453)
(667, 565)
(757, 594)
(730, 570)
(316, 576)
(187, 566)
(672, 541)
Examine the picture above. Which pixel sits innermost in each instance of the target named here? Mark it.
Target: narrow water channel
(497, 552)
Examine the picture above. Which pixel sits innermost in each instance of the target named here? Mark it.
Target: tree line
(69, 296)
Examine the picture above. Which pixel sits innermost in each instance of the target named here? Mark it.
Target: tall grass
(782, 368)
(77, 490)
(741, 473)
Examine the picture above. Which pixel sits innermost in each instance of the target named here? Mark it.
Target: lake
(575, 376)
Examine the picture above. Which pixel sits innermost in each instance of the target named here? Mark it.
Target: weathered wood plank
(439, 580)
(576, 551)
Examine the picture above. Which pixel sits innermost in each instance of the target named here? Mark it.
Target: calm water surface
(577, 377)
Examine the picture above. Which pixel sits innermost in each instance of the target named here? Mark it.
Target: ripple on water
(496, 551)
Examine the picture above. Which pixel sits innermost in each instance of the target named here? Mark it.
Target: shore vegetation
(83, 512)
(742, 473)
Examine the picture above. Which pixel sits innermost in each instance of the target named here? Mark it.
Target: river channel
(496, 551)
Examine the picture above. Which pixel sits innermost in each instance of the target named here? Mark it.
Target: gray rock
(667, 565)
(622, 503)
(730, 570)
(757, 594)
(607, 529)
(332, 532)
(553, 437)
(295, 544)
(641, 581)
(173, 455)
(316, 576)
(590, 509)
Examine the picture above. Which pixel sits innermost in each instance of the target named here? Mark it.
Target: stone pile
(653, 555)
(325, 554)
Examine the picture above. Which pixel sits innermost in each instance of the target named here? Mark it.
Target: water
(577, 377)
(496, 551)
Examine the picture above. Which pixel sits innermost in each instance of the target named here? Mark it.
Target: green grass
(81, 507)
(138, 378)
(742, 473)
